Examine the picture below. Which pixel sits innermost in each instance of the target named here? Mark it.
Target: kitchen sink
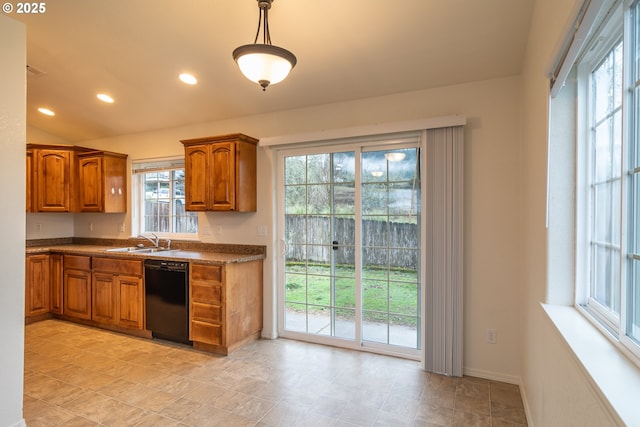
(160, 249)
(127, 249)
(136, 249)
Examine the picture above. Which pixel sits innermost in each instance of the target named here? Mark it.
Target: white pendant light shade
(395, 156)
(264, 64)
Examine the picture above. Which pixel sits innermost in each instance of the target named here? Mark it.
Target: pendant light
(264, 63)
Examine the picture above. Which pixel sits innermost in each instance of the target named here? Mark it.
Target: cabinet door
(129, 302)
(102, 182)
(53, 180)
(223, 176)
(55, 284)
(90, 191)
(115, 183)
(103, 298)
(77, 294)
(30, 192)
(196, 165)
(37, 285)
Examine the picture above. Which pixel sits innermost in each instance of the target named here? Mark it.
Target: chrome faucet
(155, 240)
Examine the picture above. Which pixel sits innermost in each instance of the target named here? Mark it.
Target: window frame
(616, 29)
(140, 168)
(631, 132)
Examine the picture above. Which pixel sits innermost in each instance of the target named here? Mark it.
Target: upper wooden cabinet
(102, 182)
(30, 204)
(65, 178)
(52, 184)
(220, 173)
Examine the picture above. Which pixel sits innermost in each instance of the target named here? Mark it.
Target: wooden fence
(310, 238)
(157, 217)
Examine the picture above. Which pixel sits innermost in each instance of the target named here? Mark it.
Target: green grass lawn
(392, 294)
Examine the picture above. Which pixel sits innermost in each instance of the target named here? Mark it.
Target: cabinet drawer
(206, 332)
(209, 273)
(77, 262)
(118, 266)
(206, 312)
(206, 293)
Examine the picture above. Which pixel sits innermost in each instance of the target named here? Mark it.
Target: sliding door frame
(358, 145)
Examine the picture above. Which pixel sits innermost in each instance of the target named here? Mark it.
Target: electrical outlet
(90, 226)
(219, 230)
(261, 230)
(38, 228)
(492, 336)
(122, 228)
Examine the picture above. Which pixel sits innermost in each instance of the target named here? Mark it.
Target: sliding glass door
(350, 224)
(319, 262)
(390, 194)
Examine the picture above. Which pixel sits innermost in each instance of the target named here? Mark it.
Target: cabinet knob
(113, 190)
(120, 191)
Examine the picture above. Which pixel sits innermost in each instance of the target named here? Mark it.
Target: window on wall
(608, 197)
(160, 198)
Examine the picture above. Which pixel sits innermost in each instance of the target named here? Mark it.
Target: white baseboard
(525, 402)
(495, 376)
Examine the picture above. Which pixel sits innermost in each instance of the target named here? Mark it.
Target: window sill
(614, 376)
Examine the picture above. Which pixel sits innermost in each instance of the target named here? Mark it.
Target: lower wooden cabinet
(225, 301)
(77, 286)
(118, 292)
(207, 308)
(130, 302)
(108, 291)
(56, 277)
(37, 285)
(225, 305)
(103, 298)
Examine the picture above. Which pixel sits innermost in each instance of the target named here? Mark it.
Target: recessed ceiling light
(105, 98)
(188, 78)
(46, 111)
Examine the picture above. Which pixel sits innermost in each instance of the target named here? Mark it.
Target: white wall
(556, 389)
(492, 209)
(12, 228)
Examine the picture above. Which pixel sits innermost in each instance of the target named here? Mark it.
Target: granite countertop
(183, 251)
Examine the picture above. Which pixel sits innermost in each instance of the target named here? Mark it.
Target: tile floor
(81, 376)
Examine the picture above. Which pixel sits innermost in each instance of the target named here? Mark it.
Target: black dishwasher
(167, 299)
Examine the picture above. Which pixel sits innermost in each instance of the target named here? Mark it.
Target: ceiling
(346, 49)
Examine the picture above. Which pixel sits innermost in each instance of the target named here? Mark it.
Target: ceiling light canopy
(264, 63)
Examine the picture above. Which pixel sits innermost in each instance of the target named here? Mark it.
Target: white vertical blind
(444, 250)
